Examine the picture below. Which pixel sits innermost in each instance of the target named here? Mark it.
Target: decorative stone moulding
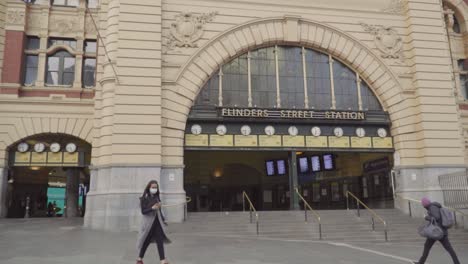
(395, 7)
(15, 17)
(187, 30)
(387, 40)
(63, 25)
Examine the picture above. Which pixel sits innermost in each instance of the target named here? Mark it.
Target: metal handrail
(252, 209)
(375, 215)
(455, 211)
(187, 200)
(307, 205)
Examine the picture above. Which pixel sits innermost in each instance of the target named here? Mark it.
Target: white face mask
(153, 190)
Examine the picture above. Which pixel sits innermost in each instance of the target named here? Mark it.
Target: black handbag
(431, 230)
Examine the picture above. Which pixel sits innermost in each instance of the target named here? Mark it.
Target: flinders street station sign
(291, 114)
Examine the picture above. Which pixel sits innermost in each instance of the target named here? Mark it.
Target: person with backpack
(442, 218)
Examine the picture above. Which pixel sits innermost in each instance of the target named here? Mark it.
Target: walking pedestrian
(153, 223)
(433, 212)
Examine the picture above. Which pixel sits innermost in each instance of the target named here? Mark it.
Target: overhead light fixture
(218, 173)
(35, 168)
(11, 181)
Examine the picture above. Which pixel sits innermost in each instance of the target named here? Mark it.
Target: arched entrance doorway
(48, 176)
(303, 119)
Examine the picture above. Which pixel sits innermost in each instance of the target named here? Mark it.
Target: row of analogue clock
(41, 147)
(292, 130)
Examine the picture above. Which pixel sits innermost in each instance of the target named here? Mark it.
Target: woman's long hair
(146, 192)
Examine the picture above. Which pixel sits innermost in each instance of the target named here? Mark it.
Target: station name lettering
(292, 114)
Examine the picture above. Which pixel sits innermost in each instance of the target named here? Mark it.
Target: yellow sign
(293, 141)
(364, 142)
(270, 141)
(246, 141)
(382, 142)
(22, 157)
(39, 157)
(317, 142)
(196, 140)
(70, 157)
(339, 142)
(221, 141)
(54, 157)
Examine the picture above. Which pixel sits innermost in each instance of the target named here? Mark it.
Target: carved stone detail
(395, 7)
(63, 25)
(386, 40)
(34, 21)
(90, 27)
(15, 17)
(187, 30)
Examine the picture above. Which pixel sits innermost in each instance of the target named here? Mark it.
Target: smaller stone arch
(461, 12)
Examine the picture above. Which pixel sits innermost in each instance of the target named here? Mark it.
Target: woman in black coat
(153, 223)
(433, 211)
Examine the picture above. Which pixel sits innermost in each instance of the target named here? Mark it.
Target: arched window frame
(327, 69)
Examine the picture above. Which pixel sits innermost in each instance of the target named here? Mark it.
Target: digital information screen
(281, 165)
(328, 162)
(303, 165)
(316, 166)
(270, 168)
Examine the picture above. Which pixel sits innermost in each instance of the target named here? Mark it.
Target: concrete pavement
(59, 241)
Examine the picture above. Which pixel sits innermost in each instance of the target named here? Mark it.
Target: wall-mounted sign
(39, 157)
(47, 159)
(338, 142)
(70, 158)
(270, 141)
(22, 157)
(291, 114)
(378, 142)
(221, 141)
(293, 141)
(246, 141)
(361, 142)
(53, 157)
(317, 142)
(196, 140)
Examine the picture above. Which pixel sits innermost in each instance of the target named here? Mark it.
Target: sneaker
(139, 262)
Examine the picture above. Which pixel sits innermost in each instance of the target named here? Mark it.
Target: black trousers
(445, 243)
(157, 234)
(160, 246)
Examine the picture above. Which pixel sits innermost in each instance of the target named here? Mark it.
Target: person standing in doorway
(153, 223)
(433, 211)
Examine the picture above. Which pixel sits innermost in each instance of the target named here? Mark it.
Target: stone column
(293, 180)
(73, 182)
(3, 192)
(172, 186)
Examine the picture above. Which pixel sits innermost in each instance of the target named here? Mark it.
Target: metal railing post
(305, 213)
(320, 230)
(243, 203)
(347, 201)
(455, 219)
(250, 215)
(358, 210)
(185, 212)
(256, 219)
(409, 207)
(386, 232)
(373, 224)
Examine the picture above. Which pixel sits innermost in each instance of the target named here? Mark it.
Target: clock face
(246, 130)
(293, 131)
(196, 129)
(382, 132)
(360, 132)
(39, 147)
(71, 147)
(270, 130)
(316, 131)
(221, 130)
(55, 147)
(23, 147)
(338, 131)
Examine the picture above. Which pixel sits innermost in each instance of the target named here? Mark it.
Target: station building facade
(217, 98)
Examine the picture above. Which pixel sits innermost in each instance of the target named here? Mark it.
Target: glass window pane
(33, 43)
(346, 93)
(53, 63)
(69, 64)
(58, 41)
(59, 2)
(90, 46)
(263, 77)
(208, 95)
(291, 77)
(68, 78)
(464, 85)
(89, 70)
(369, 101)
(93, 3)
(235, 82)
(73, 2)
(318, 80)
(52, 78)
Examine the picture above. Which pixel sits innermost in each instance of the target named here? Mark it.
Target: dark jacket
(433, 211)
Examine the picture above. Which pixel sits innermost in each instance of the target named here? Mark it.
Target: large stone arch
(179, 97)
(14, 129)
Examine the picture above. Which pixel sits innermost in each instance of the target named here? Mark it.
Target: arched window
(60, 68)
(287, 77)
